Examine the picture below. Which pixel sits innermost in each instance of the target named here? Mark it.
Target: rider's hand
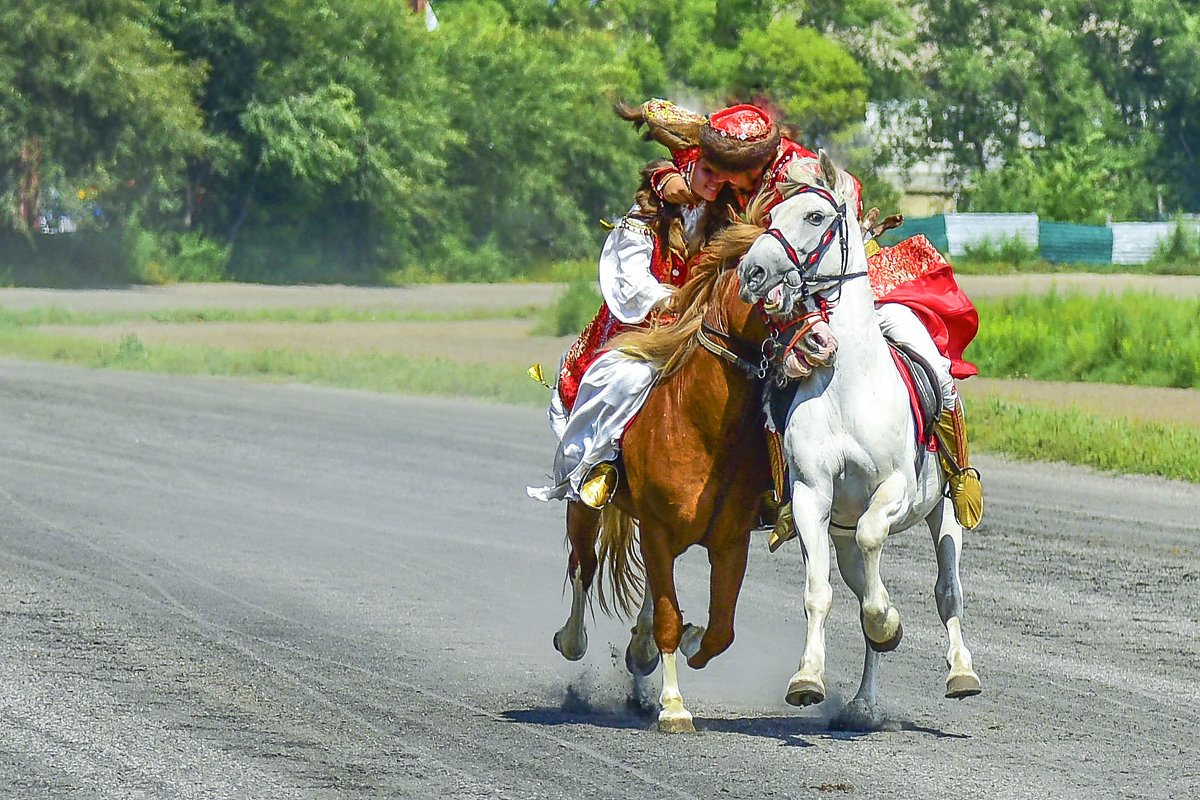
(675, 190)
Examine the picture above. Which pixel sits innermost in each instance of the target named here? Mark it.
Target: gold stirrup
(963, 486)
(598, 487)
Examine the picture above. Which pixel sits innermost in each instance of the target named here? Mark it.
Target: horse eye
(814, 217)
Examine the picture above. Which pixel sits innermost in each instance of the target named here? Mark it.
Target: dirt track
(223, 589)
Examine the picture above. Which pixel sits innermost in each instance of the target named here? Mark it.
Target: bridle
(804, 262)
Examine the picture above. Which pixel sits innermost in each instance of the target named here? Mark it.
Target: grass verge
(1034, 433)
(1012, 429)
(53, 315)
(370, 371)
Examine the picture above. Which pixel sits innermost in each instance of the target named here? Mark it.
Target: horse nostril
(755, 275)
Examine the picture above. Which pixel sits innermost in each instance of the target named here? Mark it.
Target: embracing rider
(716, 164)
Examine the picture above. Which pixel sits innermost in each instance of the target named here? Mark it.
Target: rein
(753, 373)
(704, 336)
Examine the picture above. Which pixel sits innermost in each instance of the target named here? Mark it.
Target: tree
(96, 106)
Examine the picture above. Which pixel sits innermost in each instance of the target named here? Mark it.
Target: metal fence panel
(1071, 243)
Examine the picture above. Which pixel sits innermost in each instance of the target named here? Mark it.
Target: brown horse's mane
(668, 345)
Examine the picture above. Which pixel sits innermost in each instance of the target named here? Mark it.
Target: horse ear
(829, 173)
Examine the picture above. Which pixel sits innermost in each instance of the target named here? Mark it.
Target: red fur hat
(739, 138)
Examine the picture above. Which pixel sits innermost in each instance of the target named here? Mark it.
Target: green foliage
(95, 98)
(572, 311)
(338, 140)
(1133, 338)
(1082, 102)
(1181, 249)
(161, 257)
(1087, 182)
(1009, 250)
(812, 80)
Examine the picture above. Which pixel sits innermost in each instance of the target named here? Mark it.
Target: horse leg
(641, 656)
(947, 542)
(811, 514)
(880, 619)
(668, 626)
(861, 713)
(727, 567)
(583, 524)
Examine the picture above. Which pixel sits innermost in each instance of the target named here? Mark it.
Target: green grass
(1069, 435)
(369, 371)
(1133, 338)
(1136, 339)
(12, 318)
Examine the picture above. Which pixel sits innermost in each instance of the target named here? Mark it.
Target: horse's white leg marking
(571, 638)
(641, 656)
(947, 541)
(881, 619)
(811, 512)
(673, 718)
(850, 564)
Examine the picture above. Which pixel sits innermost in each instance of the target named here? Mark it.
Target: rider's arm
(629, 288)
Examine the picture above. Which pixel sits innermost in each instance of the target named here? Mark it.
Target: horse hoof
(889, 645)
(965, 685)
(689, 643)
(676, 723)
(858, 716)
(805, 692)
(573, 655)
(638, 667)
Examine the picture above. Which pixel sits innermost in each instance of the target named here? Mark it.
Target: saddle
(924, 393)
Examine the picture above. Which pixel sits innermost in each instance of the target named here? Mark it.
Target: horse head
(804, 254)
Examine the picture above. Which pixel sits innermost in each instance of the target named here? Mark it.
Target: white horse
(850, 440)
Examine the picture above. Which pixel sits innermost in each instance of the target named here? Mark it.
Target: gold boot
(962, 480)
(785, 527)
(598, 487)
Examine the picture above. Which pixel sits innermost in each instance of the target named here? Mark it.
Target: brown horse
(694, 469)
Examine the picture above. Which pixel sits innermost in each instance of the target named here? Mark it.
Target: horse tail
(620, 575)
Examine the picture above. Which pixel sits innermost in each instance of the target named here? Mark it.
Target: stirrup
(965, 492)
(598, 487)
(785, 528)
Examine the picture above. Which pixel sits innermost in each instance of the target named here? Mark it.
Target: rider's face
(708, 180)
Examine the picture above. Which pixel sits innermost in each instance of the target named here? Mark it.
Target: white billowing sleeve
(629, 288)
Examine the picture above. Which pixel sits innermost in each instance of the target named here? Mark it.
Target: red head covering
(739, 138)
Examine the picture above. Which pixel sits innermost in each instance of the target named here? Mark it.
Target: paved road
(220, 589)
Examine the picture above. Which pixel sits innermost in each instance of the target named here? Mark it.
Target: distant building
(926, 187)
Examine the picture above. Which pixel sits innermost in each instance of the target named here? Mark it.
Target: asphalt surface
(221, 589)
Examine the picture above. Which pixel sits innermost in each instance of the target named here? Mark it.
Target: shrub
(1008, 250)
(1181, 248)
(573, 310)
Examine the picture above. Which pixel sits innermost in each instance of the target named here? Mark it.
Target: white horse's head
(809, 246)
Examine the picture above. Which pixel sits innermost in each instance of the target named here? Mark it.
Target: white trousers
(613, 389)
(900, 323)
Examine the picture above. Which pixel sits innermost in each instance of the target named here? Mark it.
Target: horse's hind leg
(861, 713)
(641, 656)
(880, 618)
(947, 542)
(583, 524)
